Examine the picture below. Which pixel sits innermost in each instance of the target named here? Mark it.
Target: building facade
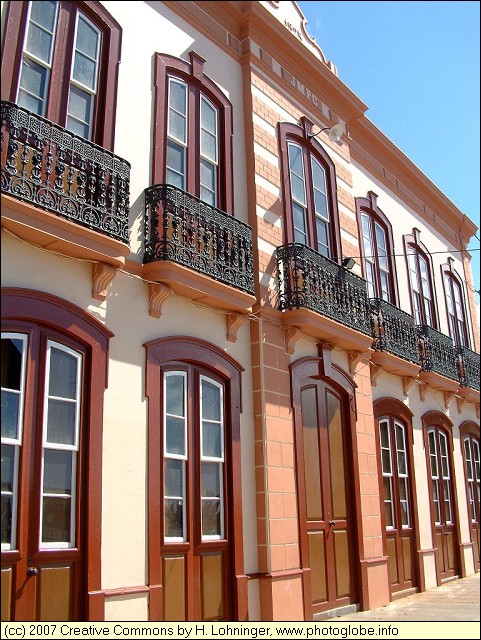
(240, 350)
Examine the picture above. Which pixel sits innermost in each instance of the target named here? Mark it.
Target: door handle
(332, 522)
(32, 571)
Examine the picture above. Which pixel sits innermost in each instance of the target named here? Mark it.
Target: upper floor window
(65, 68)
(309, 180)
(420, 280)
(458, 326)
(377, 249)
(193, 130)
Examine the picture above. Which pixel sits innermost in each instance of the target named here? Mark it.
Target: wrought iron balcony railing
(437, 352)
(189, 232)
(469, 370)
(55, 170)
(308, 279)
(393, 330)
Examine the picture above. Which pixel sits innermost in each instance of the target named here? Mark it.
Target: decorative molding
(355, 357)
(476, 406)
(233, 321)
(102, 276)
(292, 335)
(407, 381)
(448, 396)
(460, 401)
(376, 371)
(423, 387)
(158, 294)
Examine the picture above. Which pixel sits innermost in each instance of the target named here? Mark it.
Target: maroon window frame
(192, 73)
(413, 242)
(457, 322)
(299, 134)
(369, 207)
(103, 131)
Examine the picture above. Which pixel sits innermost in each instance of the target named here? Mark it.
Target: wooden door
(397, 498)
(325, 508)
(442, 505)
(196, 549)
(42, 506)
(472, 477)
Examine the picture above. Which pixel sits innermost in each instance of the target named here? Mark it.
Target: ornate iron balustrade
(53, 169)
(185, 230)
(469, 370)
(393, 330)
(308, 279)
(437, 352)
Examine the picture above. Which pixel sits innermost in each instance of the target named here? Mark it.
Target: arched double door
(323, 411)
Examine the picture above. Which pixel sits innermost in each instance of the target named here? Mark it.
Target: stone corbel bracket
(102, 276)
(158, 294)
(233, 322)
(292, 335)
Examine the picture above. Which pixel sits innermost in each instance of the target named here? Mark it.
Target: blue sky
(416, 66)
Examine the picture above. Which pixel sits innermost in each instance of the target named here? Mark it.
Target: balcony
(469, 374)
(395, 339)
(197, 250)
(438, 358)
(323, 299)
(61, 191)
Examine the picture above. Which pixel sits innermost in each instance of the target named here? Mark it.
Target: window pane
(174, 395)
(174, 435)
(178, 97)
(56, 519)
(11, 358)
(10, 409)
(61, 422)
(297, 174)
(79, 112)
(208, 146)
(87, 38)
(211, 520)
(57, 471)
(33, 83)
(211, 440)
(384, 433)
(174, 478)
(211, 479)
(322, 237)
(298, 214)
(85, 70)
(211, 401)
(43, 13)
(208, 174)
(175, 165)
(63, 374)
(386, 461)
(41, 28)
(173, 518)
(7, 502)
(320, 204)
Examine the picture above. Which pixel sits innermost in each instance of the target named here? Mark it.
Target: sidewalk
(455, 601)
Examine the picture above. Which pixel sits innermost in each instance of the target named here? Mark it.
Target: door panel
(324, 498)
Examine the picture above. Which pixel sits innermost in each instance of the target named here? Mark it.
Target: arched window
(192, 132)
(54, 373)
(67, 68)
(377, 249)
(456, 309)
(195, 511)
(421, 281)
(309, 183)
(469, 432)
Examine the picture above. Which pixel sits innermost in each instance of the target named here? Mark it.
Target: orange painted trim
(393, 364)
(54, 233)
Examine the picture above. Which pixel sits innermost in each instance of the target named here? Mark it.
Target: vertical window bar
(13, 354)
(61, 424)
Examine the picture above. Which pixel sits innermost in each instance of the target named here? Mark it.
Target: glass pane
(56, 519)
(208, 145)
(208, 177)
(401, 463)
(318, 177)
(211, 401)
(85, 71)
(10, 409)
(320, 204)
(384, 433)
(299, 218)
(11, 358)
(322, 237)
(43, 13)
(386, 461)
(178, 97)
(174, 395)
(211, 480)
(403, 495)
(32, 86)
(8, 467)
(208, 116)
(387, 489)
(7, 502)
(388, 514)
(80, 106)
(87, 38)
(174, 478)
(81, 129)
(57, 471)
(312, 466)
(177, 126)
(211, 440)
(63, 374)
(404, 514)
(175, 165)
(211, 524)
(61, 425)
(39, 39)
(175, 435)
(173, 518)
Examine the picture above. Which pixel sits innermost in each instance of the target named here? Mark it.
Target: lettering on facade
(293, 29)
(305, 91)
